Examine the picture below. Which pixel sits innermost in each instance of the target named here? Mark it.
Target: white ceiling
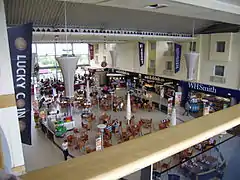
(51, 13)
(203, 9)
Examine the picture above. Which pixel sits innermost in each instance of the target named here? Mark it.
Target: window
(192, 47)
(80, 48)
(170, 50)
(96, 48)
(153, 45)
(45, 49)
(152, 64)
(219, 70)
(169, 65)
(63, 49)
(104, 59)
(47, 61)
(220, 46)
(83, 59)
(96, 60)
(105, 46)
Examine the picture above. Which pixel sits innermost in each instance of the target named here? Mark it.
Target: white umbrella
(129, 113)
(174, 117)
(88, 91)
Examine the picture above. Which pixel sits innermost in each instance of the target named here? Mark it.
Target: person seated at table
(211, 142)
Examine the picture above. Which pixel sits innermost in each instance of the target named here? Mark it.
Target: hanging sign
(177, 56)
(91, 51)
(141, 51)
(20, 46)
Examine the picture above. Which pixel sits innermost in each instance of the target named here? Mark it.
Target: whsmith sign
(218, 91)
(202, 87)
(20, 47)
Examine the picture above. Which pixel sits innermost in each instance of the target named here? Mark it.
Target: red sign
(91, 51)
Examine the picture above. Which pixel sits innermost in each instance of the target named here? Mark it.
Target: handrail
(126, 158)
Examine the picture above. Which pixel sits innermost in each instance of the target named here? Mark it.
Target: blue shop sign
(218, 91)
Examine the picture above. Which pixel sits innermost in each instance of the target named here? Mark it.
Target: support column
(68, 65)
(9, 127)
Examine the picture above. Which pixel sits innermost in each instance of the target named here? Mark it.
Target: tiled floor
(44, 153)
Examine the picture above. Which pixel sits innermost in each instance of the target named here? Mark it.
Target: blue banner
(141, 51)
(20, 47)
(177, 56)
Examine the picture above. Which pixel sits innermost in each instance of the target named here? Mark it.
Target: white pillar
(129, 112)
(9, 126)
(68, 66)
(191, 62)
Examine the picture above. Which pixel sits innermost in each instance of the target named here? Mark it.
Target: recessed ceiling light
(156, 6)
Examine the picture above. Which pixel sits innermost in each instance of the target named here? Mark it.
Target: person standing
(65, 149)
(187, 108)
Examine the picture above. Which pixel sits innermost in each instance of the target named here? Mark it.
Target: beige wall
(232, 67)
(127, 57)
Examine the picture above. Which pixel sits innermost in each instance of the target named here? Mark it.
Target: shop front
(123, 78)
(205, 99)
(164, 90)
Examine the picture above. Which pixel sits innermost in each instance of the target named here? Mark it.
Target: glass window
(192, 47)
(220, 46)
(104, 58)
(105, 46)
(34, 49)
(152, 64)
(80, 48)
(45, 49)
(219, 70)
(83, 59)
(96, 60)
(96, 48)
(47, 61)
(62, 48)
(153, 45)
(170, 50)
(169, 65)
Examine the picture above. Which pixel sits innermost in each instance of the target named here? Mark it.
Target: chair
(173, 177)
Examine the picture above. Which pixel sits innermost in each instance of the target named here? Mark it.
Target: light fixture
(156, 6)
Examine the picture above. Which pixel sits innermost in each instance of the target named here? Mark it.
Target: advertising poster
(141, 51)
(99, 143)
(178, 98)
(20, 47)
